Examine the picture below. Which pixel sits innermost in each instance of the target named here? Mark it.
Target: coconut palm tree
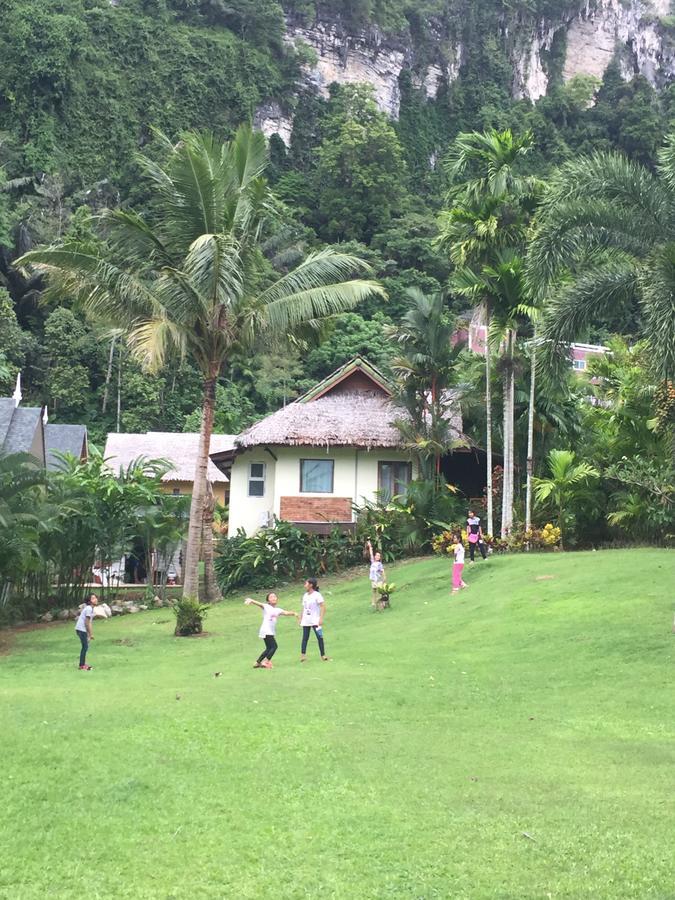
(605, 243)
(426, 369)
(189, 276)
(567, 482)
(490, 205)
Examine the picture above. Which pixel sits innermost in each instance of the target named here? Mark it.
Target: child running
(271, 613)
(83, 629)
(313, 610)
(458, 564)
(376, 575)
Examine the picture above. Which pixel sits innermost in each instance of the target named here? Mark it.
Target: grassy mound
(514, 741)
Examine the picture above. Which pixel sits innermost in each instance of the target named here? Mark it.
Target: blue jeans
(85, 645)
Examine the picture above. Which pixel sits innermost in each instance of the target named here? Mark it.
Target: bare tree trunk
(108, 374)
(506, 448)
(512, 443)
(119, 390)
(211, 590)
(192, 552)
(530, 437)
(488, 441)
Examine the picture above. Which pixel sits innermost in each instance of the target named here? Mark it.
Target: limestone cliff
(590, 33)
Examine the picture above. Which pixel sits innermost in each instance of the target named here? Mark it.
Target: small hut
(311, 462)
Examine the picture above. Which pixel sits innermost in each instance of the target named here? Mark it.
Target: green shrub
(190, 615)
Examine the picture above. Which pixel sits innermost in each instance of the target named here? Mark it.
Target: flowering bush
(546, 538)
(444, 542)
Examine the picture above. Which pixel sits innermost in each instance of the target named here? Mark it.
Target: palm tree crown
(605, 241)
(190, 277)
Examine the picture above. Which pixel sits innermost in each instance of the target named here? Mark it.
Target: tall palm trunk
(530, 437)
(488, 428)
(509, 395)
(512, 430)
(194, 541)
(108, 374)
(506, 449)
(211, 591)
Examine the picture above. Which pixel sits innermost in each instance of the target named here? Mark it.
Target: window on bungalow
(393, 478)
(579, 364)
(256, 479)
(316, 476)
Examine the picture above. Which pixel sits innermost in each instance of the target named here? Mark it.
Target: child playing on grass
(475, 535)
(376, 575)
(458, 564)
(271, 613)
(313, 610)
(83, 629)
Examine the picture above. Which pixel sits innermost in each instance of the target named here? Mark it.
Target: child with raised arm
(271, 613)
(376, 574)
(458, 563)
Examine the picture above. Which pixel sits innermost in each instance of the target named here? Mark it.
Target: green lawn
(514, 741)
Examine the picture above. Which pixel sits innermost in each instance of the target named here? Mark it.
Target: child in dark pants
(474, 532)
(83, 630)
(313, 610)
(271, 613)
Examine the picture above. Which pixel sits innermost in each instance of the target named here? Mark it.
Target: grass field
(515, 741)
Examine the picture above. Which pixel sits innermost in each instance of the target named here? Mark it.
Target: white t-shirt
(269, 622)
(459, 553)
(311, 608)
(376, 571)
(87, 612)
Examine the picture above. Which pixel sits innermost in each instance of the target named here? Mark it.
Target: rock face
(593, 36)
(592, 32)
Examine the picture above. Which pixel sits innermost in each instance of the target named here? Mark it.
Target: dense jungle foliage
(88, 84)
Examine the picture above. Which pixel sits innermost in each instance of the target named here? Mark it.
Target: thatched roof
(177, 448)
(345, 420)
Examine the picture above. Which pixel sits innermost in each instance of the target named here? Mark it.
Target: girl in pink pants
(458, 565)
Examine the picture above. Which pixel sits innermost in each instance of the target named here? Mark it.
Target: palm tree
(490, 204)
(189, 276)
(426, 369)
(567, 482)
(502, 284)
(605, 242)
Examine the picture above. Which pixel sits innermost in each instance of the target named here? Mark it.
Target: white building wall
(354, 475)
(247, 512)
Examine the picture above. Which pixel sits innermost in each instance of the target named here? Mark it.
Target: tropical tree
(21, 488)
(490, 204)
(567, 482)
(503, 284)
(188, 276)
(605, 245)
(426, 370)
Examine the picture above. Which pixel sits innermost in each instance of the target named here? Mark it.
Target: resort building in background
(311, 462)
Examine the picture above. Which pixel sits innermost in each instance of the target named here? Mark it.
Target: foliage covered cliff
(86, 84)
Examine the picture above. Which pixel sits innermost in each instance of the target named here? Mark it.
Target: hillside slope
(514, 741)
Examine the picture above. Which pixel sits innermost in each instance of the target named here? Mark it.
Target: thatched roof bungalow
(178, 449)
(313, 460)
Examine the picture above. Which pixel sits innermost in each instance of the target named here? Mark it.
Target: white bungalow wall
(355, 476)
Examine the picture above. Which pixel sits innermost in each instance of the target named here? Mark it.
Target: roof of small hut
(352, 407)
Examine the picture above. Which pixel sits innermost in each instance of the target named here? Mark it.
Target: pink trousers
(457, 575)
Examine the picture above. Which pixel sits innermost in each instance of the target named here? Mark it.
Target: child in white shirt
(458, 564)
(313, 611)
(376, 575)
(271, 613)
